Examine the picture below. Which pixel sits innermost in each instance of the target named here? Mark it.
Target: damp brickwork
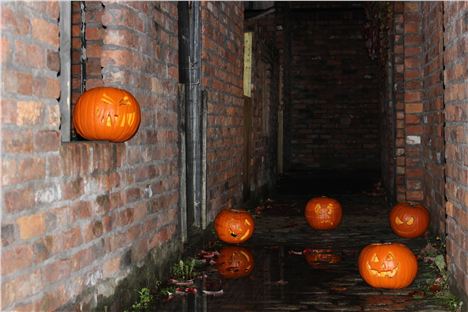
(456, 141)
(222, 65)
(263, 106)
(77, 217)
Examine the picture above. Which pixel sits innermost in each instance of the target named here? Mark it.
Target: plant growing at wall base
(183, 271)
(144, 300)
(437, 283)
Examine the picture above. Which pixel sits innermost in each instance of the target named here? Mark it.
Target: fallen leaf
(280, 282)
(213, 293)
(417, 294)
(293, 252)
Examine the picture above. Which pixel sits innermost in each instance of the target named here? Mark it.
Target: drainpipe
(203, 158)
(65, 69)
(391, 88)
(193, 115)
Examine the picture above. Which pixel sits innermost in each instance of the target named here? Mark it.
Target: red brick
(71, 238)
(20, 287)
(53, 60)
(45, 31)
(73, 189)
(23, 52)
(15, 141)
(19, 199)
(31, 226)
(49, 88)
(413, 108)
(24, 83)
(18, 23)
(57, 270)
(46, 141)
(17, 258)
(28, 112)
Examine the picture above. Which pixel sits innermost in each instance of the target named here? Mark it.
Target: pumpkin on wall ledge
(387, 265)
(106, 114)
(408, 220)
(323, 213)
(234, 226)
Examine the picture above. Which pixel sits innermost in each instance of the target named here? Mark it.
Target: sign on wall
(248, 64)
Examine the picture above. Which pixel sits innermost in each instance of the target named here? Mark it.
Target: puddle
(287, 266)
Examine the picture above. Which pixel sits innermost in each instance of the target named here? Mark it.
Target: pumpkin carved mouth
(378, 273)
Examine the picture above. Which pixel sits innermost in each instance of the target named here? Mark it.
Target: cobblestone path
(282, 279)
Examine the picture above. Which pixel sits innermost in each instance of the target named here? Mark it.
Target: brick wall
(398, 59)
(265, 93)
(80, 215)
(413, 95)
(432, 117)
(222, 65)
(334, 122)
(456, 140)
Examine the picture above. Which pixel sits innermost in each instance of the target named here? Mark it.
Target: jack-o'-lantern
(234, 226)
(409, 221)
(106, 113)
(387, 265)
(323, 213)
(321, 258)
(234, 262)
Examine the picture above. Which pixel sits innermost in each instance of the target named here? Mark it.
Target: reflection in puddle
(234, 262)
(321, 258)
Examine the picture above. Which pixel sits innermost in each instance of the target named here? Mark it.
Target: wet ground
(283, 278)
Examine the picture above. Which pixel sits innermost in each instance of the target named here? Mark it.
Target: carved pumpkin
(388, 265)
(323, 213)
(106, 113)
(234, 226)
(321, 258)
(409, 221)
(234, 262)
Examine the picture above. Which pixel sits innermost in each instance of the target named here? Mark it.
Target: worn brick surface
(456, 132)
(432, 122)
(72, 211)
(222, 65)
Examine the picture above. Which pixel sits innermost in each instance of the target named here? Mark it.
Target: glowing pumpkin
(409, 221)
(321, 258)
(106, 113)
(388, 265)
(234, 226)
(323, 213)
(234, 262)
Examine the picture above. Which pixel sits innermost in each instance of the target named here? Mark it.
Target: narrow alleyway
(282, 279)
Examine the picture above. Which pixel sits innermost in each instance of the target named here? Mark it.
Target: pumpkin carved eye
(410, 221)
(398, 221)
(389, 257)
(317, 208)
(375, 258)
